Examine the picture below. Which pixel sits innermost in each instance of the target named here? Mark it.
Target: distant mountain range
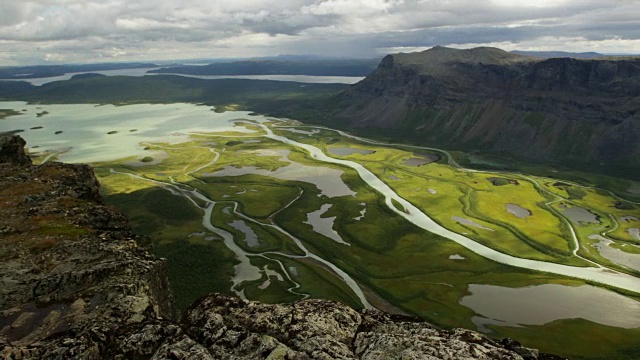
(307, 57)
(585, 112)
(268, 65)
(559, 54)
(41, 71)
(286, 65)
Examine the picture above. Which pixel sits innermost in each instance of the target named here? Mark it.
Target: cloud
(34, 31)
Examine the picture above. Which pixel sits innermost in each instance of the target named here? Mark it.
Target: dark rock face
(12, 150)
(75, 284)
(487, 99)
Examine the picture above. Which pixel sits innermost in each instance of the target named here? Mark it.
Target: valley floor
(276, 211)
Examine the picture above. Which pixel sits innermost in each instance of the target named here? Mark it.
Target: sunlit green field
(400, 267)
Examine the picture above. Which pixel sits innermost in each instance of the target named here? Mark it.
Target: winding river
(244, 270)
(416, 216)
(86, 129)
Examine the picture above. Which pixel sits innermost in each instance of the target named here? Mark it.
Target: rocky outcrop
(314, 329)
(76, 284)
(560, 109)
(12, 150)
(72, 274)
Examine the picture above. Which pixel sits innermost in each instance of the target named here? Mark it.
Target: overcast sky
(66, 31)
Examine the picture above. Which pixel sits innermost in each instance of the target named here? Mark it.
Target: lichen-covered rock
(318, 329)
(231, 328)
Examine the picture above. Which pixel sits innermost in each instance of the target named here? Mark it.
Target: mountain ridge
(490, 100)
(565, 54)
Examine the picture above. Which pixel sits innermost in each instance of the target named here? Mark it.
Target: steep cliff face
(484, 98)
(75, 284)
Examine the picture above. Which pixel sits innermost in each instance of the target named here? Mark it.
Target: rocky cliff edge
(76, 284)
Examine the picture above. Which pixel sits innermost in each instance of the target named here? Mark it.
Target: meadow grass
(190, 266)
(249, 190)
(319, 282)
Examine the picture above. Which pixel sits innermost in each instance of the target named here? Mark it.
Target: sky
(89, 31)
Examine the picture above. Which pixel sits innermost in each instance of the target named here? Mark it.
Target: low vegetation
(8, 112)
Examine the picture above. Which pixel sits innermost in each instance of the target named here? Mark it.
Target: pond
(615, 255)
(578, 214)
(518, 211)
(324, 225)
(542, 304)
(250, 237)
(327, 180)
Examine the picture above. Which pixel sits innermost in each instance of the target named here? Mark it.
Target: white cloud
(142, 24)
(34, 31)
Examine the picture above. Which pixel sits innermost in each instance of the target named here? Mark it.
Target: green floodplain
(245, 214)
(256, 196)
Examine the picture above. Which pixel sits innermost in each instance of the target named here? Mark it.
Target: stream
(245, 271)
